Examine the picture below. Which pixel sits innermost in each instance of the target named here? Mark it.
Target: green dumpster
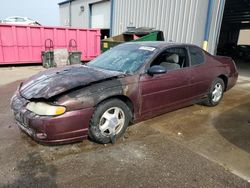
(48, 59)
(48, 54)
(134, 35)
(74, 55)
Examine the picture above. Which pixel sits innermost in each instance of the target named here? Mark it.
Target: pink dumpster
(24, 44)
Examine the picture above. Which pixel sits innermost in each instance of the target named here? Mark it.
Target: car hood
(52, 82)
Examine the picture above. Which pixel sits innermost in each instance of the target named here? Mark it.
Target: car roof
(17, 17)
(160, 44)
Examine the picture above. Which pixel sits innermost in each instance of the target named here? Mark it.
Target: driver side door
(164, 92)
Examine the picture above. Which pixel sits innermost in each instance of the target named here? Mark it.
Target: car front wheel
(216, 92)
(109, 121)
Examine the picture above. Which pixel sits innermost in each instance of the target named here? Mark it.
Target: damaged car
(127, 84)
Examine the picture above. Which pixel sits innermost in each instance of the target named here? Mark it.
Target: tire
(215, 93)
(109, 121)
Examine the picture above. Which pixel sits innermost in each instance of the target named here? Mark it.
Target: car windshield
(124, 58)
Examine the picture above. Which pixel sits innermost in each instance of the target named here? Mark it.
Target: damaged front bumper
(72, 126)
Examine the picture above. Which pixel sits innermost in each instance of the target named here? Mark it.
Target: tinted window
(197, 56)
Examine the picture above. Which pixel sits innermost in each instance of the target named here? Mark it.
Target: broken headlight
(44, 109)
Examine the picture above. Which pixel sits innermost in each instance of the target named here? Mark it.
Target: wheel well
(225, 80)
(123, 98)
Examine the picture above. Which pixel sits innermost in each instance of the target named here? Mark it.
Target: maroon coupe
(129, 83)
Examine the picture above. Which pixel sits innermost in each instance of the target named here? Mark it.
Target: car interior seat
(182, 61)
(171, 62)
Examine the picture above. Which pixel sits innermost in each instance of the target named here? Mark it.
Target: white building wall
(78, 18)
(64, 15)
(218, 9)
(180, 20)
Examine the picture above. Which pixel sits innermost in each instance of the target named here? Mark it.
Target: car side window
(172, 59)
(20, 20)
(12, 20)
(196, 55)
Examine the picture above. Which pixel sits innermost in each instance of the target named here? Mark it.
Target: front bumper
(72, 126)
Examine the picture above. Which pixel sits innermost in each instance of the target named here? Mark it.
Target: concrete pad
(221, 133)
(196, 146)
(11, 74)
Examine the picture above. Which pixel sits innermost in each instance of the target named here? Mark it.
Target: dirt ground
(192, 147)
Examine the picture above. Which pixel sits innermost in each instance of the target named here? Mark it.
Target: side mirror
(156, 69)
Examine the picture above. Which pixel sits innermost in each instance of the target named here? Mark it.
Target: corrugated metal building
(188, 21)
(86, 14)
(181, 20)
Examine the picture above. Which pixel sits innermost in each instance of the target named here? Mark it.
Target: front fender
(91, 95)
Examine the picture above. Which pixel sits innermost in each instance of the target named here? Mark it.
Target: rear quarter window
(196, 55)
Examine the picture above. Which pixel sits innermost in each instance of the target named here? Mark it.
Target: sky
(46, 12)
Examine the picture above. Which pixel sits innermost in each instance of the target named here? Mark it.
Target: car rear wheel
(109, 121)
(216, 92)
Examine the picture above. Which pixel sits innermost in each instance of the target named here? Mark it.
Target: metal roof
(65, 2)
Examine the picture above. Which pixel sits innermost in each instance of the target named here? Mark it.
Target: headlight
(44, 109)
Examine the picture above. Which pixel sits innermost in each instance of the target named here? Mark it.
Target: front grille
(18, 102)
(23, 116)
(18, 106)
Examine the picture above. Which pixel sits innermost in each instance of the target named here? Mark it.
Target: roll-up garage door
(100, 15)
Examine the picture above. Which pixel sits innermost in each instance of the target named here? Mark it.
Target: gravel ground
(150, 155)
